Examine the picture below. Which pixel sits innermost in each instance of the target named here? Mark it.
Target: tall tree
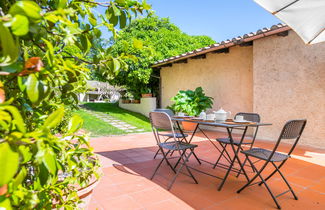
(145, 41)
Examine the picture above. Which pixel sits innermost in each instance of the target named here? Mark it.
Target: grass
(101, 128)
(97, 127)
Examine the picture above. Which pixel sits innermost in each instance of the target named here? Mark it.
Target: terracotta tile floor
(128, 163)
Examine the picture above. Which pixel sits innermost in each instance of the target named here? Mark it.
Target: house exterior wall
(289, 83)
(278, 77)
(228, 78)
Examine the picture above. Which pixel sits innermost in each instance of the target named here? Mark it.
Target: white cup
(239, 118)
(181, 114)
(210, 116)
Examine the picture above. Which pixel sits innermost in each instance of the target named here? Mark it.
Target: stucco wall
(289, 83)
(225, 77)
(145, 106)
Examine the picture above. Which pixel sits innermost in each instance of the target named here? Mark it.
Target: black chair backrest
(291, 130)
(253, 117)
(167, 111)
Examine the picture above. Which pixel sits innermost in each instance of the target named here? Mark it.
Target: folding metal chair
(168, 136)
(291, 130)
(162, 121)
(224, 142)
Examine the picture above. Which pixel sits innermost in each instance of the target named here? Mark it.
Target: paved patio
(128, 163)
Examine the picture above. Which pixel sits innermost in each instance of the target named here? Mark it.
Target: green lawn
(96, 126)
(100, 128)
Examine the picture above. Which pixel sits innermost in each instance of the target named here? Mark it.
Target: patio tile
(168, 204)
(128, 164)
(151, 196)
(301, 181)
(124, 202)
(320, 186)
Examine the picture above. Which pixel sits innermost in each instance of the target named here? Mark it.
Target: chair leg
(258, 174)
(179, 159)
(244, 163)
(159, 164)
(154, 173)
(222, 155)
(180, 168)
(285, 180)
(273, 172)
(251, 180)
(268, 189)
(198, 160)
(189, 171)
(154, 157)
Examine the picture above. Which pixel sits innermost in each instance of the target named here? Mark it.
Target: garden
(49, 49)
(59, 152)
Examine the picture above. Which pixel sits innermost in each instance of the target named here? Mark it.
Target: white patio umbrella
(305, 17)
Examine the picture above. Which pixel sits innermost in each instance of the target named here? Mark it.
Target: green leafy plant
(145, 90)
(191, 102)
(46, 50)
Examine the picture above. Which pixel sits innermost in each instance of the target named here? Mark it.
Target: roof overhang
(241, 40)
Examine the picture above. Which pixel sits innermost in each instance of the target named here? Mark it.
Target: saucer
(241, 121)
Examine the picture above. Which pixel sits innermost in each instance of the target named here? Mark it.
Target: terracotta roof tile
(227, 43)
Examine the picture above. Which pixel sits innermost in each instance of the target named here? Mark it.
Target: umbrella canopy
(305, 17)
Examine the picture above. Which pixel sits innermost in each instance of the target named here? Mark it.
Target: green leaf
(93, 21)
(25, 153)
(9, 47)
(49, 52)
(54, 118)
(5, 203)
(113, 20)
(137, 44)
(62, 4)
(123, 20)
(27, 8)
(85, 43)
(75, 124)
(20, 25)
(116, 65)
(43, 177)
(49, 161)
(9, 162)
(14, 67)
(97, 32)
(20, 177)
(117, 12)
(146, 6)
(32, 88)
(18, 120)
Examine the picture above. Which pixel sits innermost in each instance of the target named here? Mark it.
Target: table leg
(235, 157)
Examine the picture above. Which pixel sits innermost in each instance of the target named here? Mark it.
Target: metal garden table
(228, 126)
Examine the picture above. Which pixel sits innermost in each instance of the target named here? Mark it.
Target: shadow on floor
(126, 183)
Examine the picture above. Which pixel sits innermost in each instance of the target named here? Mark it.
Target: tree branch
(103, 4)
(75, 57)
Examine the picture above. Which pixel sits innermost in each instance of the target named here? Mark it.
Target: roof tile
(236, 40)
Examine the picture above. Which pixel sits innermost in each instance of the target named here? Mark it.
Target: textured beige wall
(289, 83)
(225, 77)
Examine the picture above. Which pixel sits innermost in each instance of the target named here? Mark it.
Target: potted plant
(192, 103)
(146, 92)
(123, 98)
(136, 99)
